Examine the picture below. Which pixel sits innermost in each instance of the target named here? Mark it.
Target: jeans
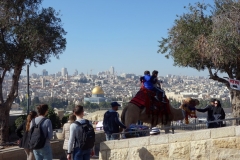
(44, 153)
(112, 137)
(79, 154)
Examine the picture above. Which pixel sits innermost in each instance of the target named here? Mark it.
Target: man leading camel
(111, 122)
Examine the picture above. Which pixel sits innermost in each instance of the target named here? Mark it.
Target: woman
(66, 130)
(44, 153)
(78, 154)
(23, 139)
(218, 114)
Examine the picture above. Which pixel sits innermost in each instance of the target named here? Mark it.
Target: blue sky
(121, 33)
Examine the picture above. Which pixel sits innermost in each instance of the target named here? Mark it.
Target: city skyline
(123, 34)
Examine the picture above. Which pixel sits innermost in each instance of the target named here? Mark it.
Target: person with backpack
(24, 138)
(111, 122)
(82, 137)
(40, 134)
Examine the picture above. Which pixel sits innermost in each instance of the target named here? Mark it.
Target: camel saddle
(145, 99)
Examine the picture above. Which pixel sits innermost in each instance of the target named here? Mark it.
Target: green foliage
(57, 103)
(206, 37)
(65, 119)
(56, 124)
(20, 120)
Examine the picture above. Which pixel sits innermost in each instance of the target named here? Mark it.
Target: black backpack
(37, 139)
(86, 134)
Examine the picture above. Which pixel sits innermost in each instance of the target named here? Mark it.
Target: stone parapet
(16, 153)
(208, 144)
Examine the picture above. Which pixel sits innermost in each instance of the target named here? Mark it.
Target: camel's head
(189, 102)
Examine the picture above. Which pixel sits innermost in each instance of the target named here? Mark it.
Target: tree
(56, 123)
(207, 37)
(29, 34)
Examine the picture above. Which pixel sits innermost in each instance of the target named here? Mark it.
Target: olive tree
(208, 38)
(29, 34)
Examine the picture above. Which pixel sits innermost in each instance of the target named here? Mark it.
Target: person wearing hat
(209, 109)
(111, 122)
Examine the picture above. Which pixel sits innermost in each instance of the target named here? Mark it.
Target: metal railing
(176, 126)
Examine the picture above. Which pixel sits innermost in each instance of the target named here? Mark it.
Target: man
(209, 110)
(157, 86)
(79, 146)
(111, 122)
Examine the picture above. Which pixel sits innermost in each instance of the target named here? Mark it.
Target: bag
(86, 135)
(37, 139)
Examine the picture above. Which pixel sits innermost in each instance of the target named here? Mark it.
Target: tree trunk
(6, 106)
(235, 98)
(4, 122)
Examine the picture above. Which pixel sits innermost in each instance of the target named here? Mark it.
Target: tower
(111, 70)
(43, 83)
(64, 71)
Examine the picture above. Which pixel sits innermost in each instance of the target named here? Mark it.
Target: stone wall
(210, 144)
(16, 153)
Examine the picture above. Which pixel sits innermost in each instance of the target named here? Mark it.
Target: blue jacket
(111, 122)
(148, 82)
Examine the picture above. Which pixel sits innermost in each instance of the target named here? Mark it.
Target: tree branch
(216, 78)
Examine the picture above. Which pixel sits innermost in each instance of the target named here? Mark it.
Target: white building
(111, 70)
(64, 72)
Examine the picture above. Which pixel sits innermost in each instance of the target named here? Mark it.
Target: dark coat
(214, 113)
(24, 138)
(111, 122)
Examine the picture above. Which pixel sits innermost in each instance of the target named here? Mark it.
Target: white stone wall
(210, 144)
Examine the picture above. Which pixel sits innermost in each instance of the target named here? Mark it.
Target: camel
(132, 113)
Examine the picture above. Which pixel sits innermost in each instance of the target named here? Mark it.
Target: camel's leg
(167, 127)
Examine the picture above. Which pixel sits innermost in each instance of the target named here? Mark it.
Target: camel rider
(148, 82)
(157, 86)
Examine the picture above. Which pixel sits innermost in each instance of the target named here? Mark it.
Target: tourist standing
(111, 122)
(66, 131)
(24, 138)
(82, 137)
(209, 110)
(218, 113)
(44, 153)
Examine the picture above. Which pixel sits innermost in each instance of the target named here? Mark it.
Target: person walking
(44, 153)
(24, 138)
(78, 143)
(66, 131)
(111, 122)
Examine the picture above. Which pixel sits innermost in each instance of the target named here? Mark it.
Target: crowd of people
(36, 132)
(77, 130)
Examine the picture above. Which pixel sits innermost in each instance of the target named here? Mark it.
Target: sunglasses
(215, 103)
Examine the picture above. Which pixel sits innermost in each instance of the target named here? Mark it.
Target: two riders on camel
(152, 83)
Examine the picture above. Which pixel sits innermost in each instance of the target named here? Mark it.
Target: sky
(121, 33)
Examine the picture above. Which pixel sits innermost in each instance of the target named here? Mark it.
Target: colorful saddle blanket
(145, 99)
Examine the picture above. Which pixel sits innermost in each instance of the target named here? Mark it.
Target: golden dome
(97, 90)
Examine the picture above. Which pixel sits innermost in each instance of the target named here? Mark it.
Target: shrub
(20, 120)
(56, 124)
(65, 119)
